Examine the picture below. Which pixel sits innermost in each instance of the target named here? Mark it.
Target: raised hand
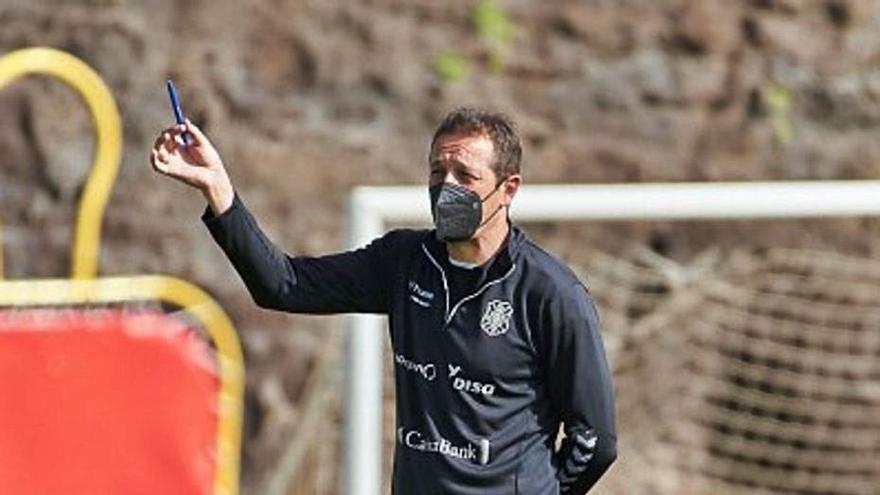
(197, 164)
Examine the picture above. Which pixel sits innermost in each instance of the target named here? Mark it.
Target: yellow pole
(2, 254)
(108, 131)
(86, 289)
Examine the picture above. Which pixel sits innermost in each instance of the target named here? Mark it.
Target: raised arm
(355, 281)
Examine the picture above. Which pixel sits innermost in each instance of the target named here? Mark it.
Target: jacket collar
(501, 263)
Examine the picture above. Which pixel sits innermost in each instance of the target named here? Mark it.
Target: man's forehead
(462, 146)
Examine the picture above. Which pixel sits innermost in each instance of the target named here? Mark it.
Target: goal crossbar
(370, 208)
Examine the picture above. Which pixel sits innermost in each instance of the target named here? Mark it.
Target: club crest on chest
(496, 318)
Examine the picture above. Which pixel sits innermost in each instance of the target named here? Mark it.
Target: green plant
(496, 29)
(451, 66)
(780, 102)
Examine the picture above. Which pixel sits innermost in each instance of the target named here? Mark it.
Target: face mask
(457, 211)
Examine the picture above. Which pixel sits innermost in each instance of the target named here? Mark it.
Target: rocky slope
(306, 99)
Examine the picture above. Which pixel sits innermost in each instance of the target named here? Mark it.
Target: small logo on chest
(496, 318)
(420, 296)
(463, 384)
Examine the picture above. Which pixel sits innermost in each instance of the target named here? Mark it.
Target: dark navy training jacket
(489, 362)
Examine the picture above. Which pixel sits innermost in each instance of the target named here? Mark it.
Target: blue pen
(178, 113)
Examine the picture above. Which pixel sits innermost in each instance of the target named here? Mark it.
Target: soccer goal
(780, 367)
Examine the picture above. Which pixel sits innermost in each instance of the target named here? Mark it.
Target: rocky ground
(306, 99)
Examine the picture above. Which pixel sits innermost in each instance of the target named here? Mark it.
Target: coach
(496, 344)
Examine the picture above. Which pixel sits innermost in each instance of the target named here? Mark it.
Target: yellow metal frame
(193, 301)
(83, 288)
(108, 133)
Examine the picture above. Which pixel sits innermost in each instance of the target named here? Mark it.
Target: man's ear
(510, 188)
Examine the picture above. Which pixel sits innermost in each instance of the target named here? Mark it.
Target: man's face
(466, 160)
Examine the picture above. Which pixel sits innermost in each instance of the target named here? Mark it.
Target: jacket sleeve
(580, 389)
(351, 282)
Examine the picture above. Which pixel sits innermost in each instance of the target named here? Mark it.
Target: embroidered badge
(496, 318)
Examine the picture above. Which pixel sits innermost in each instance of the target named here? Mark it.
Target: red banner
(105, 402)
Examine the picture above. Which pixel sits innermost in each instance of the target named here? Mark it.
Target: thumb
(197, 134)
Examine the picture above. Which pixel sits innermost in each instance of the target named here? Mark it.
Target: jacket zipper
(449, 314)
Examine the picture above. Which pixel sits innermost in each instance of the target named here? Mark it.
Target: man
(496, 343)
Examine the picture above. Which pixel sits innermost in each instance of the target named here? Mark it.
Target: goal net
(743, 367)
(743, 372)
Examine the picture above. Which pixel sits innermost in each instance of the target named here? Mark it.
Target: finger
(163, 154)
(172, 130)
(169, 142)
(188, 174)
(157, 163)
(176, 133)
(196, 133)
(169, 138)
(163, 164)
(163, 138)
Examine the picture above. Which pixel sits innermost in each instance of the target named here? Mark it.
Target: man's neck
(483, 246)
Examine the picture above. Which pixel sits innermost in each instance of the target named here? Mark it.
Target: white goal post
(371, 207)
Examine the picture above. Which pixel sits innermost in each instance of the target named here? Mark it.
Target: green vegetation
(780, 102)
(451, 66)
(496, 31)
